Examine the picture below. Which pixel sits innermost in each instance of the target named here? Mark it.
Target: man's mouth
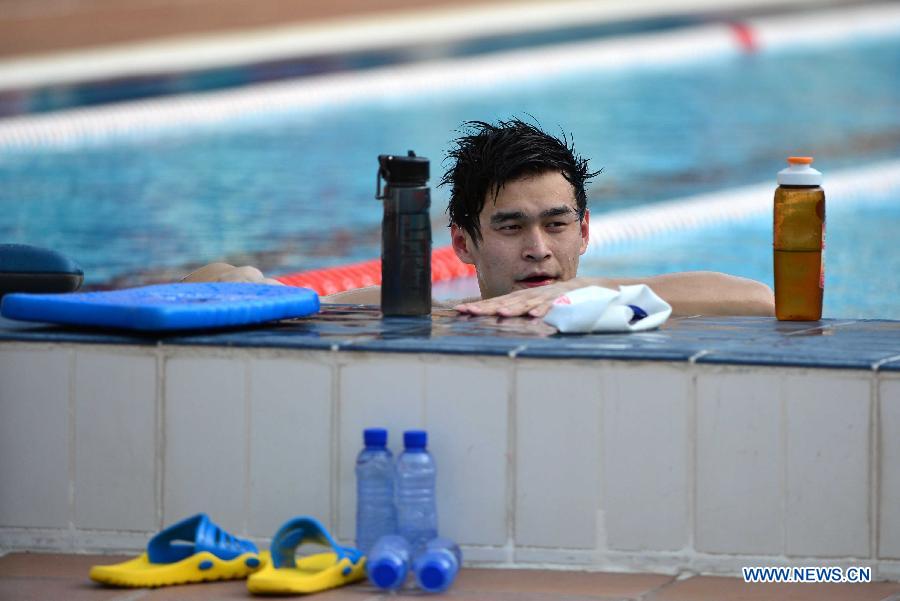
(533, 281)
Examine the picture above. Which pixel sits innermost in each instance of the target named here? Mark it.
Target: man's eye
(557, 225)
(508, 228)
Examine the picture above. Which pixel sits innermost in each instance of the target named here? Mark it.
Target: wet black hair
(487, 156)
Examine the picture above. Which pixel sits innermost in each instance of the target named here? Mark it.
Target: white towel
(596, 309)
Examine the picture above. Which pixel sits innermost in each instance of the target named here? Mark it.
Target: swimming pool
(291, 188)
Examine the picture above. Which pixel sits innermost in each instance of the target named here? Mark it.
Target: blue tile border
(20, 331)
(836, 344)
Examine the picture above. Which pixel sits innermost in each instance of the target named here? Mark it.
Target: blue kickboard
(166, 306)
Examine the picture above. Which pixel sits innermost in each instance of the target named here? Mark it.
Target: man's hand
(534, 302)
(223, 272)
(689, 293)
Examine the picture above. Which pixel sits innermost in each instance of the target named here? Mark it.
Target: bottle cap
(387, 572)
(375, 437)
(435, 574)
(415, 439)
(799, 173)
(399, 170)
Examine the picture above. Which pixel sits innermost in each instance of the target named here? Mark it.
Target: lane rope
(695, 212)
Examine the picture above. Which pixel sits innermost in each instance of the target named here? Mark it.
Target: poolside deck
(58, 576)
(41, 26)
(52, 26)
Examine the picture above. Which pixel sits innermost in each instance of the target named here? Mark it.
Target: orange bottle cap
(800, 160)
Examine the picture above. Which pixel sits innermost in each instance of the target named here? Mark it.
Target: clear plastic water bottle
(388, 562)
(375, 512)
(416, 503)
(437, 566)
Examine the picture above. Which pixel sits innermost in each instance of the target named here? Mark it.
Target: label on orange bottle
(822, 266)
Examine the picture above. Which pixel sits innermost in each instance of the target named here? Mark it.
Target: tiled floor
(39, 577)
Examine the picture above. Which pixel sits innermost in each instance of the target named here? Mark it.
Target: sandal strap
(305, 529)
(193, 535)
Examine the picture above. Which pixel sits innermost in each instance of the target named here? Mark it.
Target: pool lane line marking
(729, 205)
(169, 115)
(440, 77)
(338, 35)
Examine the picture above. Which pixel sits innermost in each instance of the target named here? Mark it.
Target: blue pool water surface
(294, 189)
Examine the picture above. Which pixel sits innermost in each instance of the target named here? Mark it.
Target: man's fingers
(541, 310)
(523, 308)
(535, 302)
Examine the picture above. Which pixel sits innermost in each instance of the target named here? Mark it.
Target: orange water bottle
(799, 242)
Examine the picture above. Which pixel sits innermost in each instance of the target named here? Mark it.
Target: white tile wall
(889, 506)
(115, 440)
(466, 407)
(385, 392)
(557, 458)
(34, 438)
(645, 457)
(233, 428)
(495, 555)
(572, 558)
(206, 440)
(290, 442)
(827, 510)
(740, 463)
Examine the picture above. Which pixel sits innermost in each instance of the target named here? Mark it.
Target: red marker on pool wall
(745, 36)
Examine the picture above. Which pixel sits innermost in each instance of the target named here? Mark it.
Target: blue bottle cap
(415, 439)
(387, 572)
(435, 575)
(375, 437)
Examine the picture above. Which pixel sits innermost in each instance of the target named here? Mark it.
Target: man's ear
(585, 231)
(461, 241)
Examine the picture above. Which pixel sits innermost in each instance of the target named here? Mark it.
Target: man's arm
(689, 293)
(223, 272)
(371, 295)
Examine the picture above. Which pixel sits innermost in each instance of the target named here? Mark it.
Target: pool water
(294, 189)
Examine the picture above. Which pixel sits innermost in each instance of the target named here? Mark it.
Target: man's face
(531, 236)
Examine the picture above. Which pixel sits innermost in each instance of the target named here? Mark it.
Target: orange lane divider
(445, 265)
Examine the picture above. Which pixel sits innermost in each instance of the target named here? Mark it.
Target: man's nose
(536, 247)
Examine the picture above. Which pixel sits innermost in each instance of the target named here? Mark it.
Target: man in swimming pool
(518, 213)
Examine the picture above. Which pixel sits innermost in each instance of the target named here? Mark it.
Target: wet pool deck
(58, 576)
(871, 345)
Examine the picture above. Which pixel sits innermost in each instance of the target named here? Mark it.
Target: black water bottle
(405, 235)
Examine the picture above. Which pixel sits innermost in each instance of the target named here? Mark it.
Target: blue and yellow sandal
(193, 550)
(286, 573)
